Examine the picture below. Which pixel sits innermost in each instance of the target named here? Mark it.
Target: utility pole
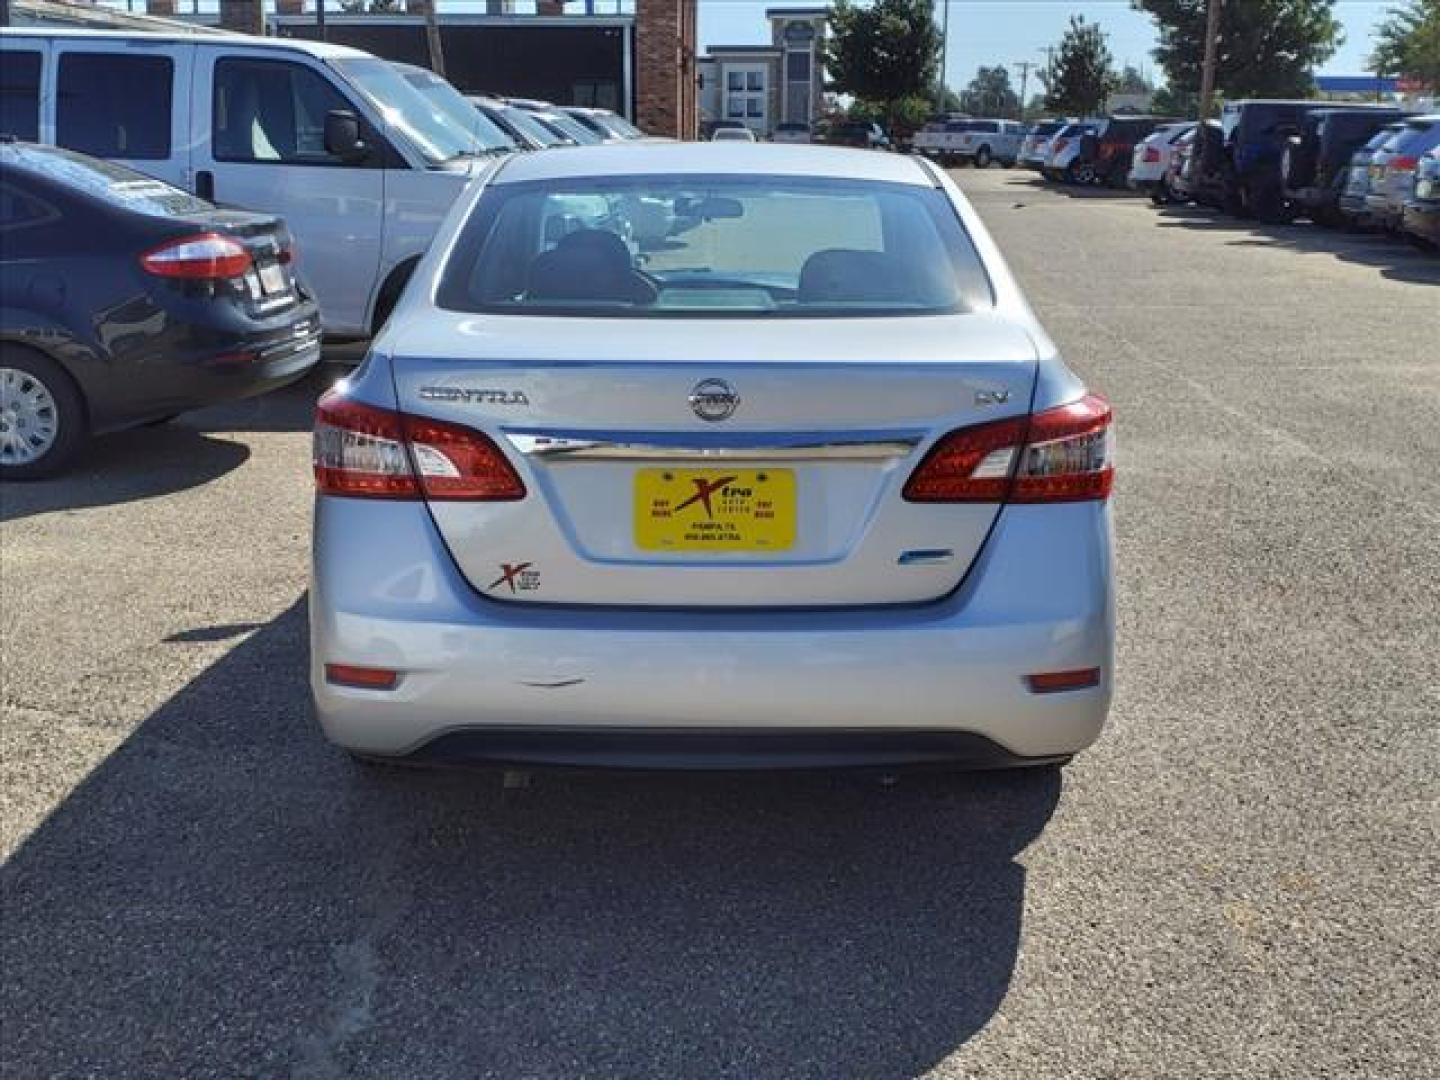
(320, 20)
(4, 12)
(432, 39)
(1024, 66)
(944, 49)
(1212, 50)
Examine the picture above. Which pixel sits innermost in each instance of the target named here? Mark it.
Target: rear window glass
(113, 105)
(1416, 138)
(20, 94)
(105, 180)
(752, 246)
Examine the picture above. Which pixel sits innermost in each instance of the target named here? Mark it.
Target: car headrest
(588, 264)
(842, 274)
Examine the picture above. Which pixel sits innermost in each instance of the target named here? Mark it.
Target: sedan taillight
(364, 452)
(202, 257)
(1152, 154)
(1065, 454)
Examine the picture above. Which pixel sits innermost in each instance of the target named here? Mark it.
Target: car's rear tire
(42, 416)
(982, 158)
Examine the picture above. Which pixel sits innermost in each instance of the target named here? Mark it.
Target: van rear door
(124, 100)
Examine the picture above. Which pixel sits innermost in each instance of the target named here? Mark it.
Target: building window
(735, 106)
(797, 66)
(596, 94)
(735, 80)
(755, 81)
(754, 108)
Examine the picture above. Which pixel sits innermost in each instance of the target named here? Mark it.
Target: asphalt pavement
(1239, 880)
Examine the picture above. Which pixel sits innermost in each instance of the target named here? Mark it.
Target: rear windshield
(1417, 137)
(703, 246)
(106, 181)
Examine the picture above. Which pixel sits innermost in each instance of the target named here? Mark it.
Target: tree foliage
(883, 53)
(1267, 48)
(990, 93)
(1407, 43)
(1082, 79)
(1132, 81)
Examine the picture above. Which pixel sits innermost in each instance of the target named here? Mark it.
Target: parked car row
(1362, 165)
(187, 240)
(1098, 150)
(1370, 167)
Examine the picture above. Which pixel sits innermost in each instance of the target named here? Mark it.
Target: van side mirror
(342, 136)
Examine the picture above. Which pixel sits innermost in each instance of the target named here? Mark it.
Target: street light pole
(1212, 50)
(1024, 66)
(944, 52)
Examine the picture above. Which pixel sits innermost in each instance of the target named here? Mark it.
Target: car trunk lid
(707, 464)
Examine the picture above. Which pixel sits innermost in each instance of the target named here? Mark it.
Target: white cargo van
(332, 139)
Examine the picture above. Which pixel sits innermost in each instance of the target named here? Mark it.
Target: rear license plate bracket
(715, 510)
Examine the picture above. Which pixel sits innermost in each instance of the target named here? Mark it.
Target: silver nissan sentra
(713, 456)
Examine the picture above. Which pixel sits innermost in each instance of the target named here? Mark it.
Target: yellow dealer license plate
(715, 509)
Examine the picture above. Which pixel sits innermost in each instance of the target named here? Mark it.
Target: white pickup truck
(978, 141)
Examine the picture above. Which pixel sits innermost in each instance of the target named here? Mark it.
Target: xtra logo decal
(704, 490)
(518, 576)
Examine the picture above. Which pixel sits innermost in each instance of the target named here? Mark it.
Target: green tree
(1082, 79)
(1268, 48)
(990, 93)
(883, 53)
(948, 100)
(1407, 43)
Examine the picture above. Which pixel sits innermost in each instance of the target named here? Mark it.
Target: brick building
(666, 94)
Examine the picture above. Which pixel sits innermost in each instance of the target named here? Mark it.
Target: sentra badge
(470, 395)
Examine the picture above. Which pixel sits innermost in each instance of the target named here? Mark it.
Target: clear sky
(1008, 31)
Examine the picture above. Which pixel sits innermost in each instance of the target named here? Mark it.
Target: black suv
(1314, 163)
(1256, 135)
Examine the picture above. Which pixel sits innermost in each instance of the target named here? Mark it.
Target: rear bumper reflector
(1052, 682)
(363, 678)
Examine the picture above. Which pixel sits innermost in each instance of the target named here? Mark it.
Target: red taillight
(1060, 455)
(364, 452)
(1152, 154)
(202, 257)
(1404, 163)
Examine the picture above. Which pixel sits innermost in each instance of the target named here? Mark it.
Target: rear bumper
(199, 364)
(890, 685)
(662, 748)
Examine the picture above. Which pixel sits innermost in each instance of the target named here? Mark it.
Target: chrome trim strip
(569, 448)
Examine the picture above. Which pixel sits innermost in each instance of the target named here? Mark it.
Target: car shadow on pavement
(128, 465)
(1030, 183)
(1394, 257)
(228, 895)
(291, 408)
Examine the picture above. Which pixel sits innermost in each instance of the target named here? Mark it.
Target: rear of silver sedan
(802, 484)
